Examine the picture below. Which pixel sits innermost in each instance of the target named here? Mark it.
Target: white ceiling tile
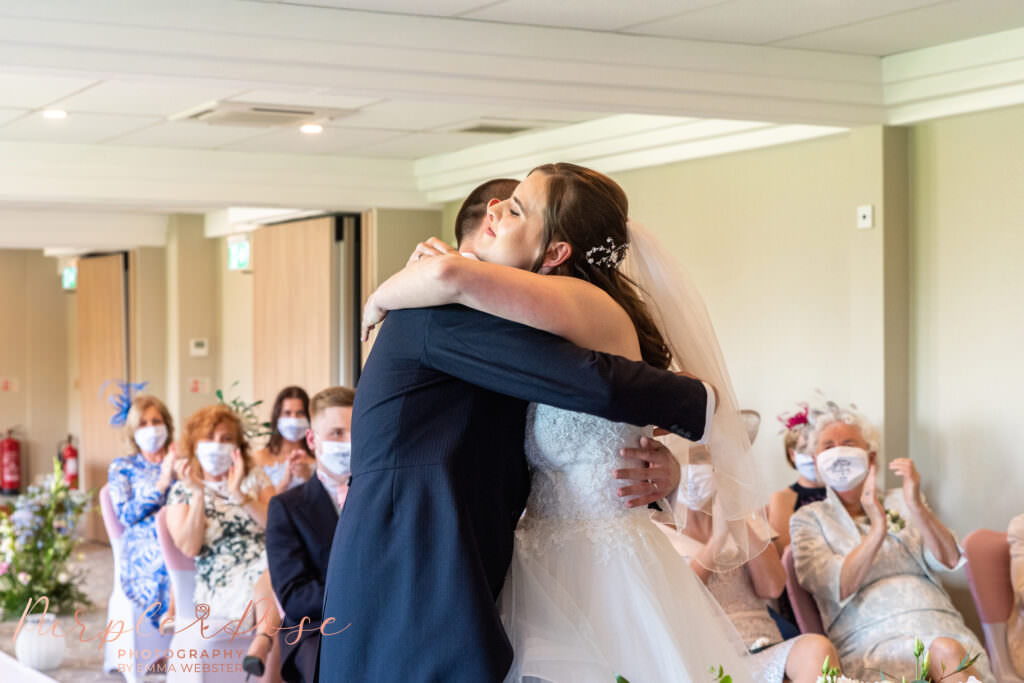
(187, 135)
(757, 22)
(78, 128)
(331, 141)
(926, 27)
(7, 115)
(306, 98)
(414, 115)
(435, 8)
(30, 91)
(419, 145)
(154, 98)
(607, 15)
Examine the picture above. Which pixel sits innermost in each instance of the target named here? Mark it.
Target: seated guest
(300, 528)
(743, 592)
(214, 515)
(287, 460)
(138, 485)
(872, 566)
(806, 489)
(1015, 628)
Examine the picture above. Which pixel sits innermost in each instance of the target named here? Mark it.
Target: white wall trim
(614, 144)
(955, 78)
(79, 231)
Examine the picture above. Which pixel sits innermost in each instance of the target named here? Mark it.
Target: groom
(439, 482)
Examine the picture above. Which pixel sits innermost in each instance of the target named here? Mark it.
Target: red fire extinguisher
(69, 457)
(10, 464)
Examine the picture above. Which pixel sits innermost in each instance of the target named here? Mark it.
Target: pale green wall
(192, 312)
(967, 176)
(796, 292)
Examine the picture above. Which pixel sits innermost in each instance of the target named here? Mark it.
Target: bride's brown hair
(586, 208)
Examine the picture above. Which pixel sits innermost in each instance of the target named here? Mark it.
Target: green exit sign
(239, 254)
(69, 278)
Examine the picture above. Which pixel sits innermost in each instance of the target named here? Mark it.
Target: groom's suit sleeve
(536, 366)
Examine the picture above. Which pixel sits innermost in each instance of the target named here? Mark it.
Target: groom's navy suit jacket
(439, 481)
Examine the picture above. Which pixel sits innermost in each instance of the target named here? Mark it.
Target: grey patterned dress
(900, 599)
(233, 554)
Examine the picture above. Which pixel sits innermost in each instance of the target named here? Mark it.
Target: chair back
(173, 557)
(115, 530)
(182, 572)
(808, 618)
(988, 576)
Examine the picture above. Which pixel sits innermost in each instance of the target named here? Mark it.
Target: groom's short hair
(474, 208)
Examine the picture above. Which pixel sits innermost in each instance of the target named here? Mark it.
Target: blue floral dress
(132, 485)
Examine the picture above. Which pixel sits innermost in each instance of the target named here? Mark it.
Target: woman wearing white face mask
(743, 592)
(138, 486)
(287, 460)
(806, 489)
(215, 515)
(872, 565)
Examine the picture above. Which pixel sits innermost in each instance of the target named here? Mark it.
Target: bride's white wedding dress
(595, 589)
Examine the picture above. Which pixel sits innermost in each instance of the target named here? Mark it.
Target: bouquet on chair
(36, 542)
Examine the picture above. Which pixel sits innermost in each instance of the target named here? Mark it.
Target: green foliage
(254, 429)
(36, 542)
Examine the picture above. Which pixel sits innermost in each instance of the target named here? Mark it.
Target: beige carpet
(83, 662)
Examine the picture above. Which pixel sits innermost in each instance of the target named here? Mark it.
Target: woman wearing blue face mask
(215, 515)
(138, 485)
(872, 561)
(287, 460)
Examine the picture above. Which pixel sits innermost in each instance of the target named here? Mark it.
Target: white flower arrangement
(922, 666)
(894, 522)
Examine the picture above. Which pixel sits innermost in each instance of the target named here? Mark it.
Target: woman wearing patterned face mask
(138, 485)
(743, 592)
(872, 565)
(806, 489)
(287, 460)
(215, 515)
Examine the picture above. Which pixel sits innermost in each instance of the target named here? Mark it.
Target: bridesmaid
(287, 460)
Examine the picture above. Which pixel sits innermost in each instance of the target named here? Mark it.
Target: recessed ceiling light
(54, 114)
(312, 128)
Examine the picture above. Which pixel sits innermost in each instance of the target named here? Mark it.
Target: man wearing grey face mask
(300, 526)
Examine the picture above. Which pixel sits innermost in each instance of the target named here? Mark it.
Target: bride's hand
(373, 315)
(432, 247)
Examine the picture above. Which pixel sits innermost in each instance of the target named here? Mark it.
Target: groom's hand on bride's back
(653, 473)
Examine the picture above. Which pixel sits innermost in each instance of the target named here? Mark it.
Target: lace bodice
(572, 456)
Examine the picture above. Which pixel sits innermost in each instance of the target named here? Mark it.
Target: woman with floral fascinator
(595, 589)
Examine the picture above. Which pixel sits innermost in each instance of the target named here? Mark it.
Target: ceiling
(135, 113)
(610, 84)
(863, 27)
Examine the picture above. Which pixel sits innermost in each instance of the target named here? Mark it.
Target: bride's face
(512, 231)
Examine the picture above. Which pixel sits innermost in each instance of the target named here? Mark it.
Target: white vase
(40, 651)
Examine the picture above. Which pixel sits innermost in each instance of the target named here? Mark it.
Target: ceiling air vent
(495, 129)
(258, 115)
(495, 125)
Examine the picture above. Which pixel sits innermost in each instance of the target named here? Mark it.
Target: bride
(595, 589)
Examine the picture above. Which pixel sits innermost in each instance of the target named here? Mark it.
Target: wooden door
(103, 356)
(295, 308)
